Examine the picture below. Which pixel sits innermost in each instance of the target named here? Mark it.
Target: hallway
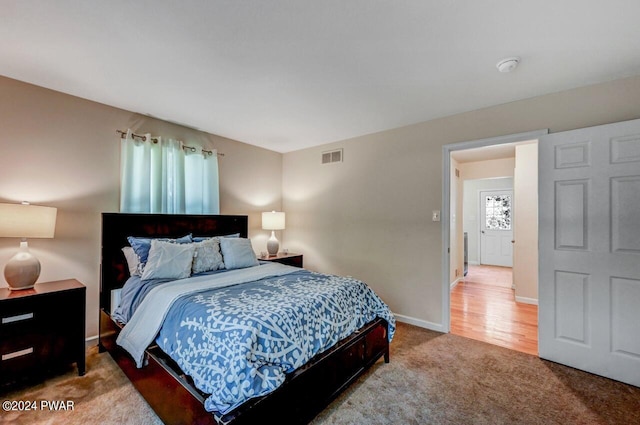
(483, 308)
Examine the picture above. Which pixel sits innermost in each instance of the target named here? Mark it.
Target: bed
(177, 396)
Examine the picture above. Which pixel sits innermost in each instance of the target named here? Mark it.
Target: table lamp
(25, 221)
(273, 221)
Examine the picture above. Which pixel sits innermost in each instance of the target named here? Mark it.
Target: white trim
(91, 341)
(446, 210)
(473, 263)
(455, 282)
(526, 300)
(490, 141)
(418, 322)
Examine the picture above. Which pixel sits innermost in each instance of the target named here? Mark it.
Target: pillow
(237, 253)
(207, 256)
(168, 260)
(141, 246)
(133, 262)
(204, 238)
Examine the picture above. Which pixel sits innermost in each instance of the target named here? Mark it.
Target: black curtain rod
(123, 134)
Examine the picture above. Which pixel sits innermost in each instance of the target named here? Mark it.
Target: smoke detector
(508, 64)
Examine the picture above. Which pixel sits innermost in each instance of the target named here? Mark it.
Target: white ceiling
(286, 75)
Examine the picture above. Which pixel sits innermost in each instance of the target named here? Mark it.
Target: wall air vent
(332, 156)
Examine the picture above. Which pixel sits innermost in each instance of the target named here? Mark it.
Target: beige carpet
(432, 379)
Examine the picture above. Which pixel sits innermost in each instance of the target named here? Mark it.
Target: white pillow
(168, 260)
(237, 253)
(133, 261)
(207, 256)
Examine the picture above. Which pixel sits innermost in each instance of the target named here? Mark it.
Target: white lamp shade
(27, 221)
(273, 220)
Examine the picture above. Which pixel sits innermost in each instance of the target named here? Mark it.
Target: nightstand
(289, 259)
(41, 330)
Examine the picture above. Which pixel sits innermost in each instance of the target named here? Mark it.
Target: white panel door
(589, 249)
(496, 228)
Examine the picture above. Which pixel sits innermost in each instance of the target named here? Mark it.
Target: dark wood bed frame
(171, 393)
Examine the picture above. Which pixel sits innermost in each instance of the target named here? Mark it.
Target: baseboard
(91, 341)
(473, 263)
(419, 322)
(455, 282)
(526, 300)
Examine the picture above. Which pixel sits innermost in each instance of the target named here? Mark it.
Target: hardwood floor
(483, 307)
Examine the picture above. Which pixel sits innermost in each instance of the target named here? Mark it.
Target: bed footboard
(302, 396)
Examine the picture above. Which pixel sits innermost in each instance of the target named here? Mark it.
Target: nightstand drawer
(18, 355)
(15, 311)
(17, 318)
(20, 322)
(10, 355)
(21, 318)
(13, 369)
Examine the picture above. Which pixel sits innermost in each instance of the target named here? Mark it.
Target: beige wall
(62, 151)
(370, 216)
(525, 253)
(456, 220)
(489, 169)
(455, 210)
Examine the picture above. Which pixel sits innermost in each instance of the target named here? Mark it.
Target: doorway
(467, 290)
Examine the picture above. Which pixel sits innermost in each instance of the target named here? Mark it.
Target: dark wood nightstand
(289, 259)
(41, 330)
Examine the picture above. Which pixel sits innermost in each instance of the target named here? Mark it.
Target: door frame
(445, 215)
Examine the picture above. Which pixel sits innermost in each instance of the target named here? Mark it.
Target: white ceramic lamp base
(22, 270)
(272, 244)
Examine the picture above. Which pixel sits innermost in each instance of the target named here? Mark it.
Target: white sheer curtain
(157, 176)
(201, 173)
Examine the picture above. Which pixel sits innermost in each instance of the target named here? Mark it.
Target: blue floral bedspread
(238, 342)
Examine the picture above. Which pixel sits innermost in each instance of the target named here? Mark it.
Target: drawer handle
(17, 354)
(17, 318)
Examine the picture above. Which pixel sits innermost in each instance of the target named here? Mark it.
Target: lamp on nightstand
(25, 221)
(273, 221)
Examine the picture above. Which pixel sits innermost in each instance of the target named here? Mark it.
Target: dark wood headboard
(116, 227)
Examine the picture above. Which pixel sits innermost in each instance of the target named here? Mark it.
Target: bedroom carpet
(433, 378)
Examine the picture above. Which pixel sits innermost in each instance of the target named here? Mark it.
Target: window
(164, 176)
(498, 212)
